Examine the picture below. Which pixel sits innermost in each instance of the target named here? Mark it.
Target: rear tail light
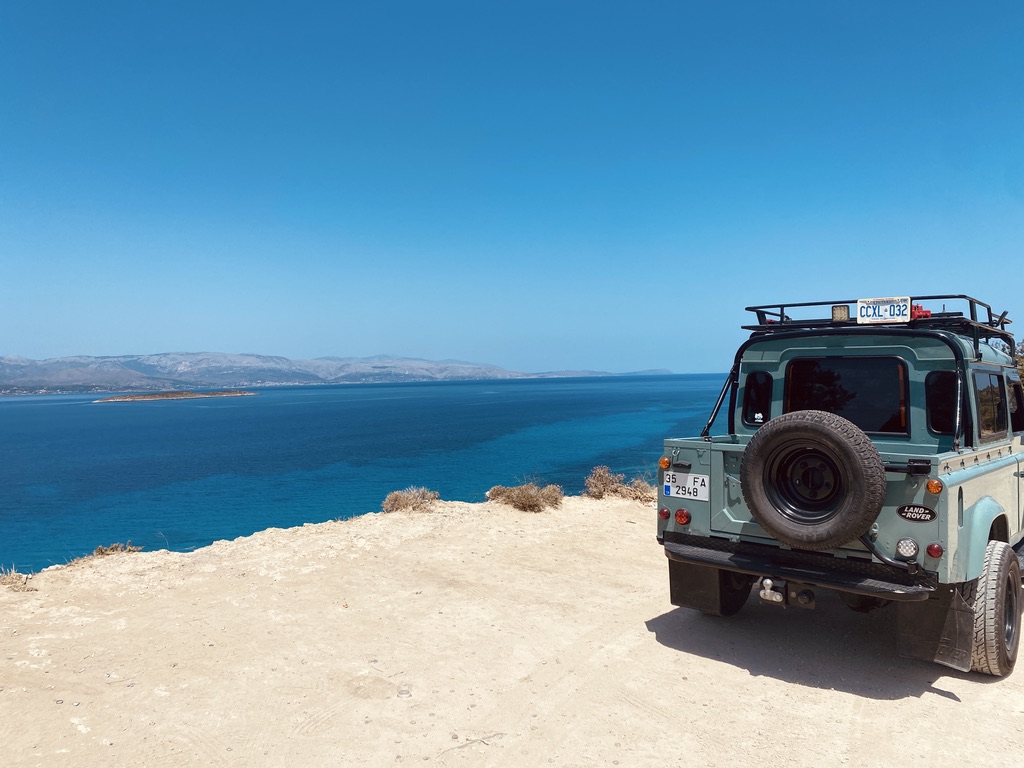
(664, 462)
(664, 514)
(934, 486)
(934, 550)
(682, 517)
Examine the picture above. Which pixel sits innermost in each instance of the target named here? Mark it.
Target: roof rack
(980, 323)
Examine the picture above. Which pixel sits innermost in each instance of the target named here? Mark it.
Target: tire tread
(986, 597)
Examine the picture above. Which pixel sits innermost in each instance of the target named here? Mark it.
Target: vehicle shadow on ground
(829, 647)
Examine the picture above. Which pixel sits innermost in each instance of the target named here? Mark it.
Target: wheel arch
(984, 521)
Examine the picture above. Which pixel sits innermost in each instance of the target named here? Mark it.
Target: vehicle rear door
(1016, 398)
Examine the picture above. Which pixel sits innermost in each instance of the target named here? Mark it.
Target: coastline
(175, 395)
(467, 635)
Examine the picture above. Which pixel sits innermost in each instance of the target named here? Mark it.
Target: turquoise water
(180, 474)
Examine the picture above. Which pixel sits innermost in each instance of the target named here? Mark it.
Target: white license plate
(679, 485)
(895, 309)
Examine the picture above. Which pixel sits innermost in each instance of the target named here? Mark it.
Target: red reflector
(663, 513)
(934, 550)
(682, 517)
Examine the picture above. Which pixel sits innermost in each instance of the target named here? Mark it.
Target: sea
(76, 474)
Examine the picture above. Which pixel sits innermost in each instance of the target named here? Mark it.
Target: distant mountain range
(199, 370)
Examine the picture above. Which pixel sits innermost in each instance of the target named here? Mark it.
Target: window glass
(1016, 407)
(940, 400)
(869, 391)
(757, 397)
(991, 404)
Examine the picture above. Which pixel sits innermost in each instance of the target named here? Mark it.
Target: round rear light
(934, 486)
(682, 517)
(906, 549)
(664, 514)
(664, 462)
(934, 550)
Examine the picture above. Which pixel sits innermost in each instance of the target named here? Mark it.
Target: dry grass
(529, 497)
(602, 482)
(14, 581)
(114, 549)
(410, 500)
(18, 582)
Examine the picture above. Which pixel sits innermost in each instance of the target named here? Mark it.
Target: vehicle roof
(862, 339)
(974, 325)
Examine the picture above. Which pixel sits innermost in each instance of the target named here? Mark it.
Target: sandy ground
(473, 635)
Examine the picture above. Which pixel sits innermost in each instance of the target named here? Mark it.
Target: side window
(1016, 407)
(940, 401)
(991, 405)
(757, 398)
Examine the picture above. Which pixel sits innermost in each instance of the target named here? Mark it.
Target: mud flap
(708, 590)
(940, 629)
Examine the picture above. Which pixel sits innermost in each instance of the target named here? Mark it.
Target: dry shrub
(101, 551)
(641, 489)
(529, 497)
(602, 482)
(410, 500)
(14, 581)
(115, 548)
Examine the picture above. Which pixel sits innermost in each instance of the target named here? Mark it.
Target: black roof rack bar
(774, 317)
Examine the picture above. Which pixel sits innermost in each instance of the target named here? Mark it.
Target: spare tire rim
(804, 483)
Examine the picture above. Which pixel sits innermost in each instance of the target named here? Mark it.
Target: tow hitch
(785, 593)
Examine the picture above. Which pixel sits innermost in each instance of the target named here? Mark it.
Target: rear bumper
(860, 576)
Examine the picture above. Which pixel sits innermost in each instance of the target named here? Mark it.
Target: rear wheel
(997, 606)
(734, 589)
(862, 603)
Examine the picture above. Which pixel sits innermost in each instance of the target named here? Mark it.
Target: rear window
(757, 398)
(869, 391)
(1016, 407)
(940, 401)
(991, 405)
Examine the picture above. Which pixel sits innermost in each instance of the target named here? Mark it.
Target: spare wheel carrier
(812, 479)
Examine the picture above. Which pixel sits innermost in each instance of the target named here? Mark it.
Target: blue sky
(537, 185)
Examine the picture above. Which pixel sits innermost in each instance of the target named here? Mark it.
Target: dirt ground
(472, 635)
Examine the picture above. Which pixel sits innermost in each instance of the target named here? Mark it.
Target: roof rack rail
(979, 323)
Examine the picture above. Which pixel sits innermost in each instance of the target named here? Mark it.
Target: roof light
(917, 312)
(840, 313)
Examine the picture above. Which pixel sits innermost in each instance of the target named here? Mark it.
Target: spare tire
(812, 479)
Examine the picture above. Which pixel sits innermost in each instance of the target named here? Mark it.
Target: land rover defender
(875, 447)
